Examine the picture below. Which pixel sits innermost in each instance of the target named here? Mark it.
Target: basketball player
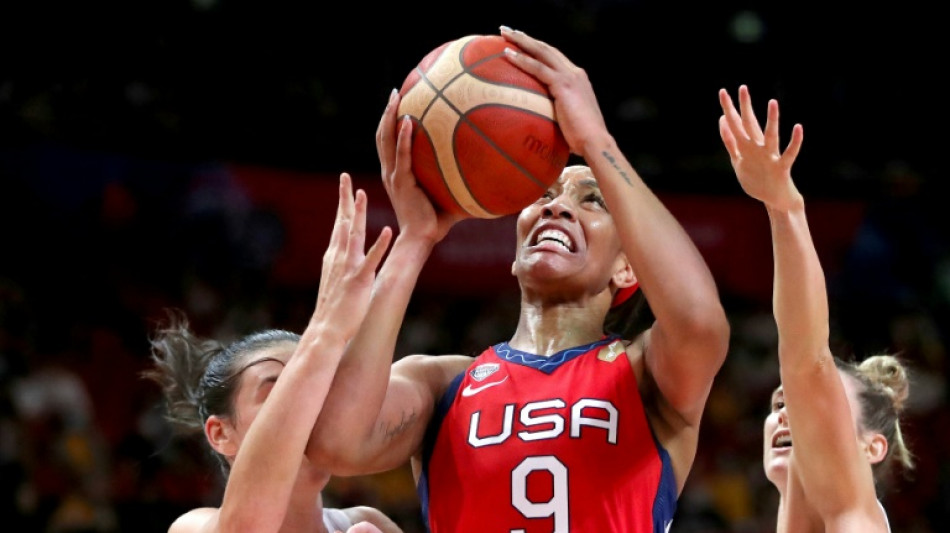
(258, 398)
(833, 425)
(566, 426)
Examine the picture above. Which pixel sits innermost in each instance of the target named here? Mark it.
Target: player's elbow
(705, 330)
(685, 359)
(332, 452)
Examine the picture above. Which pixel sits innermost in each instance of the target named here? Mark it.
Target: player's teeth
(558, 236)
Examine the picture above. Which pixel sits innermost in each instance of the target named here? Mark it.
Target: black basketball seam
(498, 149)
(438, 92)
(442, 176)
(440, 95)
(468, 69)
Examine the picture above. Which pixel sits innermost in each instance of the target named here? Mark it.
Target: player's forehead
(576, 176)
(778, 393)
(265, 361)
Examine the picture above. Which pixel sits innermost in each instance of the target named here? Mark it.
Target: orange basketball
(485, 140)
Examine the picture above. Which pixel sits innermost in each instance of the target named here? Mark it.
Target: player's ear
(623, 273)
(875, 446)
(625, 281)
(221, 435)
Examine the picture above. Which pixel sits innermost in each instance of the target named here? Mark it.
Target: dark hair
(884, 390)
(630, 318)
(197, 375)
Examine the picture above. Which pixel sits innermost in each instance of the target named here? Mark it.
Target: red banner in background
(734, 237)
(475, 258)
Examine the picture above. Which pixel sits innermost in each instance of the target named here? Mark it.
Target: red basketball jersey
(527, 444)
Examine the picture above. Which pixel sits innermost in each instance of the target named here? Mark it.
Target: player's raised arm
(688, 342)
(834, 472)
(257, 398)
(372, 422)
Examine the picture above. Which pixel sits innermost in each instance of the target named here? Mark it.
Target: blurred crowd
(87, 270)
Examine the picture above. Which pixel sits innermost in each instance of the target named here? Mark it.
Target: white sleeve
(335, 519)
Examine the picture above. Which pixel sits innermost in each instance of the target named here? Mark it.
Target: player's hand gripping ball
(485, 140)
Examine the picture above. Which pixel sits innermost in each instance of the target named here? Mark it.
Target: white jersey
(883, 510)
(336, 520)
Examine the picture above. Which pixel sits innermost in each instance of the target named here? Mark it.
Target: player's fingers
(374, 255)
(728, 139)
(530, 65)
(725, 102)
(794, 144)
(357, 236)
(749, 121)
(386, 130)
(363, 527)
(338, 236)
(341, 223)
(403, 163)
(347, 195)
(771, 126)
(346, 205)
(733, 119)
(536, 48)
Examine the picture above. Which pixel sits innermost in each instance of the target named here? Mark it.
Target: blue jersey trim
(547, 364)
(664, 507)
(428, 443)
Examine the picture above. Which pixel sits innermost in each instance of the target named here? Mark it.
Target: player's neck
(546, 331)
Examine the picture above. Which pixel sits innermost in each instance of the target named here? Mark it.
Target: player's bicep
(416, 383)
(682, 372)
(405, 413)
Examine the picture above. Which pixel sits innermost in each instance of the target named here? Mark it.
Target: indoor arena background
(186, 153)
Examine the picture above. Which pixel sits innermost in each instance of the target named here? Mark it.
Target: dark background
(130, 132)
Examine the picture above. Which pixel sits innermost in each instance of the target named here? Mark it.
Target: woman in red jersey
(569, 425)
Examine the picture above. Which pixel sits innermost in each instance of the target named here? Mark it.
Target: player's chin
(776, 466)
(551, 263)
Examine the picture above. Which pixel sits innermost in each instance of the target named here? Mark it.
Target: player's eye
(597, 199)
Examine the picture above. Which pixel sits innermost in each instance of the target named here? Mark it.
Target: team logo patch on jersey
(611, 351)
(480, 372)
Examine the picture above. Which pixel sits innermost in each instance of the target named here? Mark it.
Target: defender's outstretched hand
(346, 280)
(764, 171)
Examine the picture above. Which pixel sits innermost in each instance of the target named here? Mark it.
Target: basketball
(485, 141)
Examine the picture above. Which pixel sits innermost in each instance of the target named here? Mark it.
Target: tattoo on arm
(392, 431)
(613, 161)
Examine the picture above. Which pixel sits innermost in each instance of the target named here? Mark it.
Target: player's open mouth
(554, 236)
(782, 439)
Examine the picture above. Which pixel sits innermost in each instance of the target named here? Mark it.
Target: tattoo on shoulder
(613, 162)
(391, 431)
